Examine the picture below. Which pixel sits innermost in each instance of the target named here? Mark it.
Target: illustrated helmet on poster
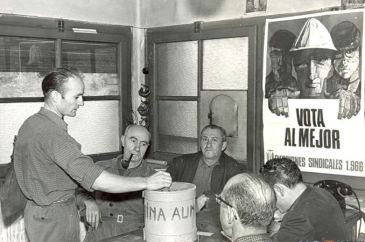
(313, 35)
(346, 36)
(282, 39)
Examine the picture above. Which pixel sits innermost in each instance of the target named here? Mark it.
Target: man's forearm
(82, 196)
(108, 182)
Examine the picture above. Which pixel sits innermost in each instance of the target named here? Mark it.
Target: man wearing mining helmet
(345, 82)
(313, 51)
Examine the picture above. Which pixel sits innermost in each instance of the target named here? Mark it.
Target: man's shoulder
(316, 200)
(230, 161)
(183, 161)
(188, 157)
(228, 158)
(320, 195)
(107, 164)
(34, 120)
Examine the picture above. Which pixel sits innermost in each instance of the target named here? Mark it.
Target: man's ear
(232, 215)
(224, 145)
(279, 189)
(54, 95)
(235, 214)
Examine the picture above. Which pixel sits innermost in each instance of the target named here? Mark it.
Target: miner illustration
(345, 82)
(280, 84)
(313, 51)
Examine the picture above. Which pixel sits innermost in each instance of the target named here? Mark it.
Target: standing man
(110, 214)
(247, 205)
(209, 169)
(48, 164)
(310, 213)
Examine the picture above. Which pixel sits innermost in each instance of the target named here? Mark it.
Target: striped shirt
(48, 161)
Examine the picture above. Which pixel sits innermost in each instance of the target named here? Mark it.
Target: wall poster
(313, 107)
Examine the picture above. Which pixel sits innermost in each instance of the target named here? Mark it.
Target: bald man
(108, 214)
(247, 205)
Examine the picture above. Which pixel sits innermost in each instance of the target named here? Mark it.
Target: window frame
(61, 29)
(204, 31)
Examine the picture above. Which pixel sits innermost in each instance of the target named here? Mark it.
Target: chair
(352, 213)
(338, 189)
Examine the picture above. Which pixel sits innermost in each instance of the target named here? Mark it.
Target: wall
(142, 14)
(173, 12)
(121, 12)
(153, 13)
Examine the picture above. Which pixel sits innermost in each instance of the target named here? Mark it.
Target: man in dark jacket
(310, 213)
(209, 170)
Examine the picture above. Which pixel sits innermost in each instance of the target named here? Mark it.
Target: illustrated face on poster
(281, 62)
(313, 107)
(347, 63)
(312, 70)
(326, 60)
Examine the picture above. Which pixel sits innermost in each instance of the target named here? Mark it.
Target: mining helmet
(346, 36)
(313, 35)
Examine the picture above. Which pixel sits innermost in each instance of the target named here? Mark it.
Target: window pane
(177, 65)
(98, 62)
(101, 134)
(225, 64)
(23, 64)
(10, 122)
(177, 126)
(178, 118)
(178, 145)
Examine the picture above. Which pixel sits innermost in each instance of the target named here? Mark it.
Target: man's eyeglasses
(220, 200)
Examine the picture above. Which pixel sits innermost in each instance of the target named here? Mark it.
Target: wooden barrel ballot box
(170, 214)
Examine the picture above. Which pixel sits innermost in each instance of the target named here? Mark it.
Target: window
(189, 70)
(28, 52)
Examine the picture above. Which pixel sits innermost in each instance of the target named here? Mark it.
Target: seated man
(209, 170)
(247, 206)
(109, 214)
(310, 213)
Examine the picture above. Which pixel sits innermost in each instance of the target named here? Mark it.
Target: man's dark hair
(283, 171)
(213, 126)
(282, 39)
(55, 80)
(346, 36)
